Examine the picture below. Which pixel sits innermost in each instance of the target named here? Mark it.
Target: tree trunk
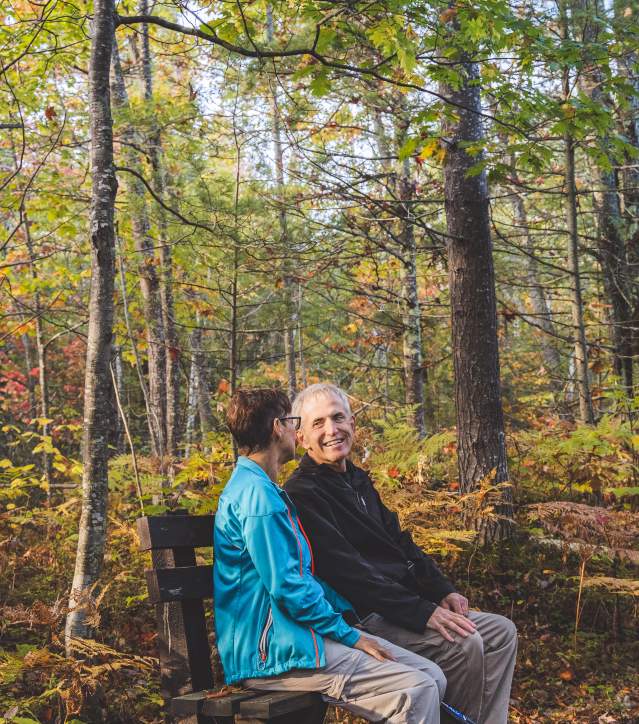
(611, 247)
(119, 441)
(41, 351)
(403, 187)
(541, 308)
(290, 307)
(149, 281)
(30, 382)
(172, 352)
(191, 399)
(207, 420)
(586, 413)
(627, 67)
(414, 372)
(97, 386)
(480, 420)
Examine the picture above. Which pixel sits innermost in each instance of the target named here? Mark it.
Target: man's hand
(448, 622)
(455, 602)
(372, 648)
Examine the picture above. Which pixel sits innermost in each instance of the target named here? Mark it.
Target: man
(397, 591)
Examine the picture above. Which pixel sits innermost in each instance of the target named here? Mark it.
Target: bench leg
(311, 715)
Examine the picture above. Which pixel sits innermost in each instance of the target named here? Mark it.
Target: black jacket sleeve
(341, 565)
(431, 580)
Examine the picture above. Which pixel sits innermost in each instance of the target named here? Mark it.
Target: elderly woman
(278, 626)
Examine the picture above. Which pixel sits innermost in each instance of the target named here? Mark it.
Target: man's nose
(329, 426)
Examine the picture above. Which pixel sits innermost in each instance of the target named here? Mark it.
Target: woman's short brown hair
(250, 415)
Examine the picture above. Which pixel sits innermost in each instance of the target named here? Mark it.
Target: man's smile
(332, 443)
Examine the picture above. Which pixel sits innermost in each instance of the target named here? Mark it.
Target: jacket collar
(309, 466)
(244, 462)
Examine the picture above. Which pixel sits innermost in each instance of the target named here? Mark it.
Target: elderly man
(397, 590)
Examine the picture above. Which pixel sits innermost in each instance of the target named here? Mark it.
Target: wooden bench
(191, 681)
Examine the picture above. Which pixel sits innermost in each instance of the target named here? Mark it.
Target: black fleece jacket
(360, 549)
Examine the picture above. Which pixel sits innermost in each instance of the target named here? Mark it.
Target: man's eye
(338, 418)
(317, 423)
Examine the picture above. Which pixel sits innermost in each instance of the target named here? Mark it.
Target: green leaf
(320, 85)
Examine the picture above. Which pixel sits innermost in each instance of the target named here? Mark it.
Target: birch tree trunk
(97, 386)
(148, 275)
(480, 420)
(586, 412)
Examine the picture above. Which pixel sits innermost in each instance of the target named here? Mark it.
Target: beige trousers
(405, 691)
(478, 668)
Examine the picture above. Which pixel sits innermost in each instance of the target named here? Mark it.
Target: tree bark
(290, 307)
(586, 412)
(402, 185)
(611, 247)
(191, 399)
(97, 387)
(41, 352)
(207, 420)
(541, 308)
(148, 275)
(480, 420)
(172, 352)
(413, 360)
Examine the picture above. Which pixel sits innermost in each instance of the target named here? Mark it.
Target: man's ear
(300, 438)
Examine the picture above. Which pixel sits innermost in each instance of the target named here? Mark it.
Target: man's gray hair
(320, 389)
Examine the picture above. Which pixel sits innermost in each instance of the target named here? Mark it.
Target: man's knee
(472, 646)
(507, 632)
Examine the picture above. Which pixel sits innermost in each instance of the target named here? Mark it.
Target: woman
(278, 626)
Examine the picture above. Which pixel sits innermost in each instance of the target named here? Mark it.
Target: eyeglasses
(298, 420)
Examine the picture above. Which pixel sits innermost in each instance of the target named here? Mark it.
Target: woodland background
(434, 205)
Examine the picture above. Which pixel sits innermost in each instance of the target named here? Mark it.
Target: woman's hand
(371, 647)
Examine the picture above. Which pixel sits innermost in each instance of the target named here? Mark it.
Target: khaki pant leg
(405, 691)
(500, 652)
(478, 668)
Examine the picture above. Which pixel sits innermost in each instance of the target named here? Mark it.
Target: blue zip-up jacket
(271, 613)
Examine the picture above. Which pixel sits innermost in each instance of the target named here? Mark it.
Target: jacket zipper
(267, 627)
(299, 548)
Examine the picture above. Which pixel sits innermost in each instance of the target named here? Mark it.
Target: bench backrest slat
(179, 584)
(179, 587)
(160, 532)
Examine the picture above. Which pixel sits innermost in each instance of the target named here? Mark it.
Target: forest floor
(593, 678)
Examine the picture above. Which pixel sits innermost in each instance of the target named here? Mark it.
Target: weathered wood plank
(274, 704)
(188, 583)
(160, 532)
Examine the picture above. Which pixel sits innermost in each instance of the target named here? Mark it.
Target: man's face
(327, 431)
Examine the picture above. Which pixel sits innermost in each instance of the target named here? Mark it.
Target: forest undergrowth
(568, 578)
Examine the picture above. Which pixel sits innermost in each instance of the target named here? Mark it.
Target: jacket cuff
(351, 638)
(440, 590)
(426, 611)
